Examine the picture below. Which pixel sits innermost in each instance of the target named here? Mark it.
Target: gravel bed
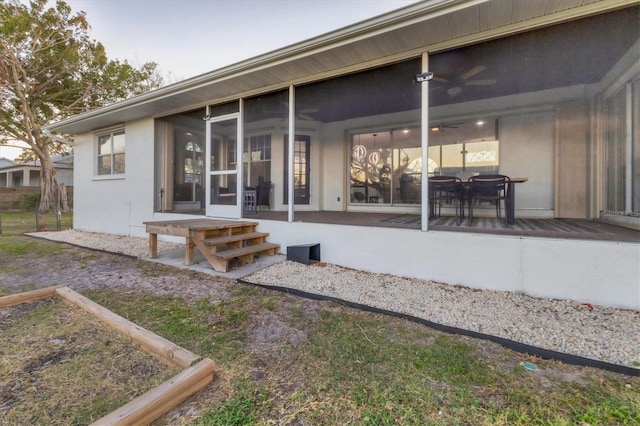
(596, 332)
(131, 246)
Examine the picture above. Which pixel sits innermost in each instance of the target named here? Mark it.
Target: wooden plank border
(158, 401)
(28, 296)
(151, 405)
(157, 346)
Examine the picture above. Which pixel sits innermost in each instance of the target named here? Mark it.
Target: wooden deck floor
(548, 228)
(545, 228)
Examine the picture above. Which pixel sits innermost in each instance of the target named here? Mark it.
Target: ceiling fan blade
(305, 117)
(440, 79)
(473, 71)
(487, 82)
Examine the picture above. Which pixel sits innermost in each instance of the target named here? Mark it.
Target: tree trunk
(53, 196)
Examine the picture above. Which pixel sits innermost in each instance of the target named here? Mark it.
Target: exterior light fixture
(425, 76)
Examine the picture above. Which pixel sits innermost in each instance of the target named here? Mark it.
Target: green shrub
(31, 201)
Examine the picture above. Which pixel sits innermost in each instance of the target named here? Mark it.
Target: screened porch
(553, 106)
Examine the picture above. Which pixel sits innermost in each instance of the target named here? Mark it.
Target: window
(386, 167)
(257, 161)
(301, 170)
(111, 153)
(470, 147)
(623, 151)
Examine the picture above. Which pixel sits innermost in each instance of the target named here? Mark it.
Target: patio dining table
(511, 198)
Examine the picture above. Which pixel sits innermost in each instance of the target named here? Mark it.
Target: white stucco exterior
(119, 203)
(599, 272)
(530, 127)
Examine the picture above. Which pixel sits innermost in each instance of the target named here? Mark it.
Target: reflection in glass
(111, 153)
(386, 167)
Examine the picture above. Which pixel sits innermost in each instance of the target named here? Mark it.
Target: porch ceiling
(426, 26)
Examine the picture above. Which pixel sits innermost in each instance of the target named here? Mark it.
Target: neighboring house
(549, 91)
(14, 174)
(5, 162)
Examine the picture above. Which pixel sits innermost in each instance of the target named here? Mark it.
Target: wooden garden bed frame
(151, 405)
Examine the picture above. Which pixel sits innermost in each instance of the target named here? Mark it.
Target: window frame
(111, 154)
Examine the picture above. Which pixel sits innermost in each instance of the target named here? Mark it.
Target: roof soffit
(430, 26)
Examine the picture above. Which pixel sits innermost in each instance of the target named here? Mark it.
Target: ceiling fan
(454, 85)
(303, 114)
(443, 126)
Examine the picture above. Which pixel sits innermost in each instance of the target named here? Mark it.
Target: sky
(10, 151)
(191, 37)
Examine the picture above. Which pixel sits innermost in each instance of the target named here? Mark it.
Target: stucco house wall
(116, 204)
(529, 125)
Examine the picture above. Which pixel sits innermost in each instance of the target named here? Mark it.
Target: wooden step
(234, 238)
(248, 250)
(239, 239)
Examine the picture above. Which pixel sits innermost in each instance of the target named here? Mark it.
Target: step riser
(242, 243)
(236, 245)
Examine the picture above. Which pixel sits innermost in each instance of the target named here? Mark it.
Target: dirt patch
(50, 348)
(264, 342)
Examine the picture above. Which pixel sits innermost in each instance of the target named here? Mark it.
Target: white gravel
(596, 332)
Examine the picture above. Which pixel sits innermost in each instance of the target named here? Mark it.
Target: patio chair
(263, 193)
(491, 188)
(445, 189)
(249, 203)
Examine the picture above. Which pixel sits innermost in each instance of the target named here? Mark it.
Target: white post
(628, 190)
(239, 161)
(424, 119)
(290, 148)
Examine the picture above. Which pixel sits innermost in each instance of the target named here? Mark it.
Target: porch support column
(239, 162)
(628, 190)
(424, 132)
(290, 159)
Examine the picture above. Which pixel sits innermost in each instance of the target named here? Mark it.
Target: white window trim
(96, 156)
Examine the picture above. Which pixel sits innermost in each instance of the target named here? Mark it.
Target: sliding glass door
(386, 167)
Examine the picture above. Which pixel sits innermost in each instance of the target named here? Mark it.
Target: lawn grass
(14, 246)
(287, 360)
(19, 222)
(361, 368)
